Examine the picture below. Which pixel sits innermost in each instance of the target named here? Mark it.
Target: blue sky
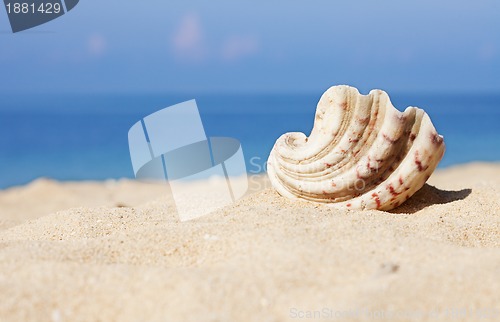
(250, 46)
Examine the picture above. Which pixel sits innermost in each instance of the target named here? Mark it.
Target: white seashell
(362, 153)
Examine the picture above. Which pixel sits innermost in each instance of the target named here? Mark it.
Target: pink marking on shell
(436, 138)
(363, 121)
(388, 138)
(393, 191)
(419, 163)
(377, 199)
(400, 118)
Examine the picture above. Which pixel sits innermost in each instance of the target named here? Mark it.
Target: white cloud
(97, 45)
(238, 47)
(187, 41)
(189, 44)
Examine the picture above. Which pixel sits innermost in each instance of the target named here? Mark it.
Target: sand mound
(263, 258)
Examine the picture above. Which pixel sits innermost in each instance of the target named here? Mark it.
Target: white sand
(265, 258)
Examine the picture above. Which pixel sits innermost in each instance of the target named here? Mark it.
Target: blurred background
(70, 89)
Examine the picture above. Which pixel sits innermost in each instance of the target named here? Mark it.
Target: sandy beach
(116, 251)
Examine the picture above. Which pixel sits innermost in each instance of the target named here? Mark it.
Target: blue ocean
(84, 136)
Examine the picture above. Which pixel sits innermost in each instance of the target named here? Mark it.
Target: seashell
(362, 153)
